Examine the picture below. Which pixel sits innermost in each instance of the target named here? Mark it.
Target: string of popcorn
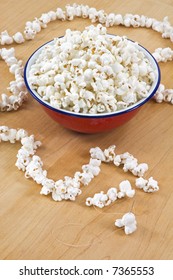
(69, 188)
(84, 11)
(32, 165)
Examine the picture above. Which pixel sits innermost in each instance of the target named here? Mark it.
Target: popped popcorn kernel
(128, 222)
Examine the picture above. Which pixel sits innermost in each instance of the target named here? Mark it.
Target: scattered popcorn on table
(128, 221)
(91, 72)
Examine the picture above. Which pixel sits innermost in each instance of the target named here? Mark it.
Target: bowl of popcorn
(91, 81)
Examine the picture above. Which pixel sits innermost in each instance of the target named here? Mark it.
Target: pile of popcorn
(91, 72)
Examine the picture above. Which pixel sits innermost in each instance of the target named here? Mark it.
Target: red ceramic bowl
(92, 123)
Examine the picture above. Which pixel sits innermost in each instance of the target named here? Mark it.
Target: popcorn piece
(29, 33)
(7, 53)
(85, 11)
(110, 19)
(109, 153)
(112, 195)
(140, 169)
(126, 188)
(70, 12)
(60, 14)
(117, 160)
(101, 16)
(128, 221)
(5, 39)
(44, 20)
(18, 38)
(98, 200)
(168, 95)
(52, 15)
(158, 96)
(97, 153)
(7, 134)
(92, 13)
(48, 186)
(141, 183)
(34, 25)
(152, 185)
(34, 170)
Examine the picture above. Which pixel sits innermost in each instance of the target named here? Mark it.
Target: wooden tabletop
(33, 226)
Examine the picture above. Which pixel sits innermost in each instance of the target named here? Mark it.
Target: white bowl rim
(36, 96)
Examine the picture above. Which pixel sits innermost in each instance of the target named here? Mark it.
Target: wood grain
(35, 227)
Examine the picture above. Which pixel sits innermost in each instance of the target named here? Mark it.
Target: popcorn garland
(84, 11)
(69, 187)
